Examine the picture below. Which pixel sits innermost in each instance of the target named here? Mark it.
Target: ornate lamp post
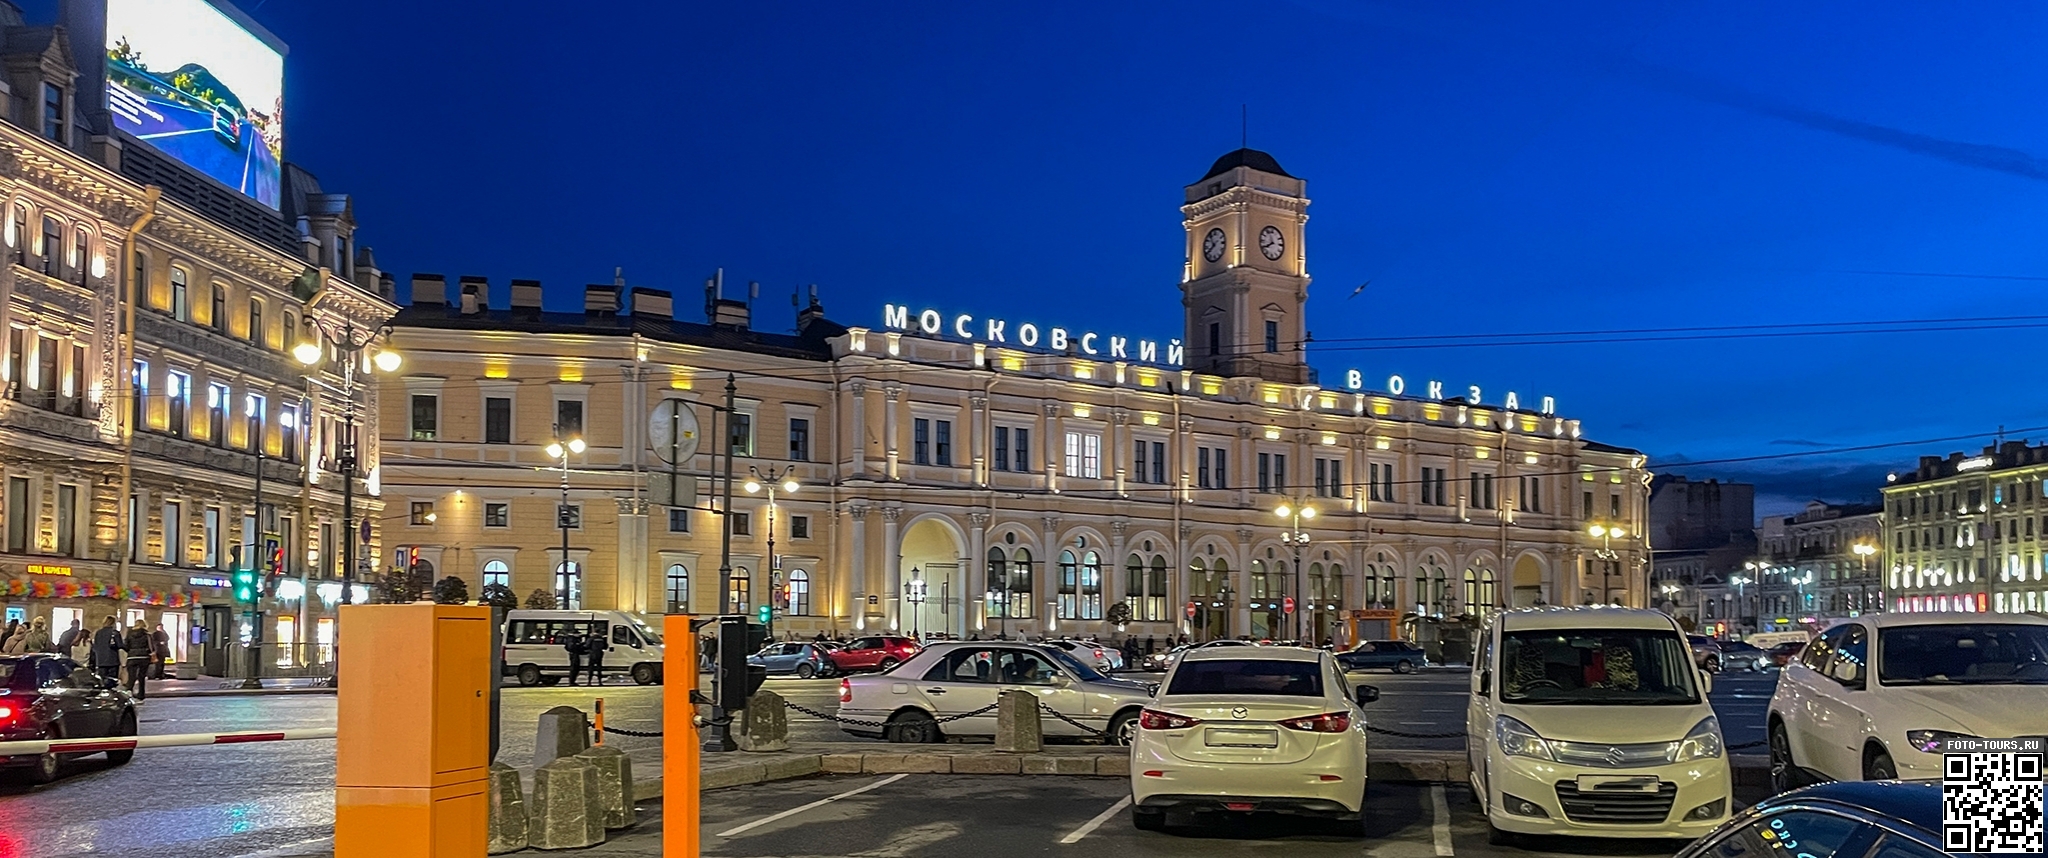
(561, 451)
(770, 481)
(1863, 552)
(348, 342)
(1297, 539)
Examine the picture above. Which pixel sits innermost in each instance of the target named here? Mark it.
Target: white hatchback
(1268, 729)
(1872, 698)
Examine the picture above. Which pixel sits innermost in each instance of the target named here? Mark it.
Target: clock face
(1212, 245)
(1271, 243)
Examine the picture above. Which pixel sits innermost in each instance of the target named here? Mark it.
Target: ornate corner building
(967, 475)
(149, 390)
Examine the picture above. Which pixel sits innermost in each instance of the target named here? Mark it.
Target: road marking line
(1442, 828)
(1100, 818)
(819, 803)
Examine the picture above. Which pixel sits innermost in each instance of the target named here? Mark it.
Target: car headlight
(1516, 739)
(1703, 743)
(1929, 741)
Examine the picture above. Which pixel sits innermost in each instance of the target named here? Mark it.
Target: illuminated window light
(1383, 443)
(1083, 369)
(1212, 386)
(1272, 396)
(1327, 400)
(497, 369)
(1082, 410)
(1148, 379)
(1272, 433)
(1482, 420)
(1382, 407)
(1529, 458)
(1013, 363)
(570, 373)
(1151, 418)
(1329, 439)
(1481, 452)
(1432, 412)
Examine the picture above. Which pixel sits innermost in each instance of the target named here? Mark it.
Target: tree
(1120, 613)
(451, 591)
(1688, 624)
(540, 600)
(400, 587)
(498, 596)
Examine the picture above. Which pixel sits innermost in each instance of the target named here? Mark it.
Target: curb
(236, 692)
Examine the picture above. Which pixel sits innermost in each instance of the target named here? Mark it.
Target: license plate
(1621, 783)
(1223, 737)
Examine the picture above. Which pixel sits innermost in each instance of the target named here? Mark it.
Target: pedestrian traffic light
(764, 614)
(245, 585)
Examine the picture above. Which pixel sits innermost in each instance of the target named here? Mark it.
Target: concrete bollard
(1017, 727)
(561, 816)
(507, 811)
(563, 732)
(767, 723)
(614, 784)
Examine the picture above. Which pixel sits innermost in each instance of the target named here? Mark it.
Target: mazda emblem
(1240, 713)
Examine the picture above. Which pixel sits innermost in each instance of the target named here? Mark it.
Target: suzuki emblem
(1240, 713)
(1615, 756)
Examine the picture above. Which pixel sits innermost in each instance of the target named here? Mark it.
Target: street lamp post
(1296, 538)
(1863, 551)
(349, 342)
(785, 479)
(1607, 555)
(560, 451)
(914, 593)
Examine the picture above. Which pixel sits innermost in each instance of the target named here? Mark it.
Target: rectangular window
(422, 513)
(426, 416)
(17, 362)
(47, 376)
(741, 434)
(53, 112)
(1265, 472)
(799, 527)
(1481, 496)
(920, 441)
(1138, 457)
(1215, 339)
(678, 519)
(497, 420)
(181, 295)
(942, 442)
(1002, 445)
(177, 402)
(497, 515)
(174, 533)
(1532, 494)
(1084, 455)
(1202, 467)
(209, 553)
(1272, 337)
(1614, 506)
(1159, 462)
(1433, 487)
(1330, 478)
(53, 239)
(75, 383)
(569, 418)
(1586, 506)
(1020, 460)
(288, 432)
(742, 524)
(67, 520)
(217, 403)
(799, 439)
(256, 324)
(220, 308)
(19, 515)
(1273, 472)
(255, 409)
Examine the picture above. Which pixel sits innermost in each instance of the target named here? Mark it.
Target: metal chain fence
(1057, 714)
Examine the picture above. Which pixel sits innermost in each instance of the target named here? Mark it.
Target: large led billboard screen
(194, 84)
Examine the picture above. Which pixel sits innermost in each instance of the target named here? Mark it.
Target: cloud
(1783, 487)
(1997, 159)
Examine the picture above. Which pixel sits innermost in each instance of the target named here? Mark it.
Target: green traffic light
(765, 613)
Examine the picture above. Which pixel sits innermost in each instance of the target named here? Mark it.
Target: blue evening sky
(1490, 168)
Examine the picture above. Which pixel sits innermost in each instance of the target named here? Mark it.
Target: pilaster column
(978, 442)
(857, 564)
(859, 442)
(891, 394)
(1242, 623)
(1119, 592)
(892, 562)
(976, 579)
(631, 583)
(1055, 447)
(1045, 588)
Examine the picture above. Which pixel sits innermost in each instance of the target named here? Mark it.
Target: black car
(50, 697)
(1398, 656)
(1881, 819)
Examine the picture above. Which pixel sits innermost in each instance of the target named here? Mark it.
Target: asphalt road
(214, 802)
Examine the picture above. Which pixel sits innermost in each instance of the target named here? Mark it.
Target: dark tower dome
(1252, 158)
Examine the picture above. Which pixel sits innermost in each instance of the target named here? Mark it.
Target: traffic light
(764, 614)
(245, 585)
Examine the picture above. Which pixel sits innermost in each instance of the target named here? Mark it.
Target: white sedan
(1240, 729)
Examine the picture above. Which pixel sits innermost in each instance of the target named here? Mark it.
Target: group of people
(586, 653)
(108, 651)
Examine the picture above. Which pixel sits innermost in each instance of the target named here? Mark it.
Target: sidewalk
(210, 686)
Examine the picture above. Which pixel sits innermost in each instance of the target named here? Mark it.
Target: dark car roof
(1916, 803)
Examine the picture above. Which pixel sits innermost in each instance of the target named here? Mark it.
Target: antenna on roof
(619, 276)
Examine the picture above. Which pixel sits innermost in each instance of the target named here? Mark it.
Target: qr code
(1991, 803)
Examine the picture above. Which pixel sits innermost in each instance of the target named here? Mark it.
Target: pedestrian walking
(593, 649)
(160, 651)
(141, 655)
(69, 642)
(573, 644)
(105, 657)
(33, 640)
(13, 639)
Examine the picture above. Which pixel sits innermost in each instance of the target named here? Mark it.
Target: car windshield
(1267, 677)
(1079, 668)
(647, 633)
(1963, 653)
(1595, 668)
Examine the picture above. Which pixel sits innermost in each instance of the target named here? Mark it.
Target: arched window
(1487, 599)
(1020, 601)
(799, 593)
(1261, 587)
(1333, 586)
(1134, 585)
(1470, 595)
(740, 592)
(181, 295)
(1091, 586)
(1388, 575)
(1314, 584)
(1155, 590)
(569, 586)
(678, 589)
(1069, 586)
(496, 572)
(1200, 585)
(995, 602)
(1439, 588)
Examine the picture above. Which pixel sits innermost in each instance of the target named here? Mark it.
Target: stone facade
(1967, 532)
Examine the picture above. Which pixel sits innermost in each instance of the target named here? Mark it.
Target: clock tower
(1246, 278)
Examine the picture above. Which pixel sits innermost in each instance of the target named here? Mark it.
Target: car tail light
(6, 713)
(846, 691)
(1328, 722)
(1152, 719)
(1098, 655)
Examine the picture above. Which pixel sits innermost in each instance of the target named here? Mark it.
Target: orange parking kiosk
(412, 743)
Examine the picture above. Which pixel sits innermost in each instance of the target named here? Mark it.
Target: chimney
(728, 313)
(476, 294)
(653, 303)
(429, 289)
(810, 314)
(526, 297)
(387, 286)
(601, 299)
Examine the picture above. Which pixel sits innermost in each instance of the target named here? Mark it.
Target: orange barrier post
(600, 722)
(680, 750)
(412, 737)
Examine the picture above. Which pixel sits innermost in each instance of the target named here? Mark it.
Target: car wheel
(1122, 730)
(643, 674)
(1148, 819)
(1880, 768)
(1713, 665)
(888, 662)
(805, 671)
(1785, 773)
(1404, 667)
(48, 765)
(125, 728)
(912, 728)
(529, 675)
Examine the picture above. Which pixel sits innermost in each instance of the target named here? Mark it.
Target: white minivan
(536, 654)
(1593, 722)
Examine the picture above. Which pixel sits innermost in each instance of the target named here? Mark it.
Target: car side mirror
(1061, 680)
(1367, 694)
(1848, 673)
